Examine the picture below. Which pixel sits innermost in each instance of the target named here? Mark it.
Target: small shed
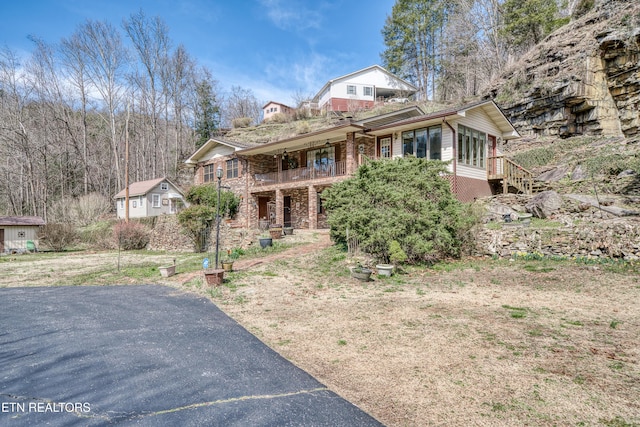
(19, 233)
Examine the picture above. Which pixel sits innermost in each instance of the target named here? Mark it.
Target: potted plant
(287, 231)
(265, 240)
(361, 273)
(227, 261)
(275, 230)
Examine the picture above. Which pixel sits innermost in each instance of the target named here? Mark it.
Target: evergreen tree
(526, 23)
(207, 114)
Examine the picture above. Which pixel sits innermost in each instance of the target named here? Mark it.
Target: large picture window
(472, 146)
(321, 159)
(423, 143)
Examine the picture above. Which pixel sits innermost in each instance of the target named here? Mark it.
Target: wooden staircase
(512, 177)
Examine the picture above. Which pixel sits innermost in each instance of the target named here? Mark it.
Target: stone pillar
(279, 207)
(351, 153)
(313, 208)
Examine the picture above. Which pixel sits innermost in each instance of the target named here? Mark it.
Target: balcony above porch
(326, 173)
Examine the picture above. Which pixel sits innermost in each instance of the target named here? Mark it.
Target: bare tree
(239, 104)
(106, 56)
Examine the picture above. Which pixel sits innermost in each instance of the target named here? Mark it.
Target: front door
(287, 211)
(1, 240)
(263, 212)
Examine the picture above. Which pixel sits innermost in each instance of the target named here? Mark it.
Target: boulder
(544, 204)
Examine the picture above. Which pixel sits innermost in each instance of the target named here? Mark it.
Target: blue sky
(273, 47)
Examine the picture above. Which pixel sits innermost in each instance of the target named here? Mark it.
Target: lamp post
(219, 175)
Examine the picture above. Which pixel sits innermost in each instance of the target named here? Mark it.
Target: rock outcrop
(583, 79)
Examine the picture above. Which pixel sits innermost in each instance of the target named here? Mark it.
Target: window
(321, 159)
(232, 168)
(351, 90)
(121, 203)
(141, 200)
(423, 143)
(320, 208)
(135, 204)
(209, 173)
(367, 91)
(164, 186)
(385, 147)
(155, 200)
(471, 146)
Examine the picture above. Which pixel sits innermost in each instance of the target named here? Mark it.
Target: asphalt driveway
(147, 355)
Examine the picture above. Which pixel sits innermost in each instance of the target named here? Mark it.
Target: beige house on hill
(272, 108)
(150, 198)
(282, 182)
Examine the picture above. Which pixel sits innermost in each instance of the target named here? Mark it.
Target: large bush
(130, 235)
(207, 195)
(57, 236)
(402, 200)
(195, 220)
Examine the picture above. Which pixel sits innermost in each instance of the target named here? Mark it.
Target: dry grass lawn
(477, 342)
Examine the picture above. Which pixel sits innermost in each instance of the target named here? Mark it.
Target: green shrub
(195, 220)
(406, 200)
(58, 236)
(207, 195)
(130, 235)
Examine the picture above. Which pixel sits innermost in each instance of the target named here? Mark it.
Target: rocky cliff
(583, 79)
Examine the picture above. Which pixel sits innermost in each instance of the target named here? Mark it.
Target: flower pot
(384, 269)
(360, 273)
(287, 231)
(275, 233)
(213, 276)
(167, 271)
(227, 265)
(265, 241)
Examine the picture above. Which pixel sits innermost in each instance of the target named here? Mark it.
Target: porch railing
(511, 174)
(302, 174)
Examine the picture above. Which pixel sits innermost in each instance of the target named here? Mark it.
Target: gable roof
(307, 140)
(21, 220)
(141, 188)
(236, 145)
(364, 70)
(276, 103)
(488, 107)
(392, 117)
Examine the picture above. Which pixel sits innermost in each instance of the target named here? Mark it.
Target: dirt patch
(479, 342)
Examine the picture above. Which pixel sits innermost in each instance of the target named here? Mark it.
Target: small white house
(362, 89)
(19, 233)
(150, 198)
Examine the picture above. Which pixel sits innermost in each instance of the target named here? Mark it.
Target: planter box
(214, 277)
(227, 266)
(287, 231)
(276, 233)
(167, 271)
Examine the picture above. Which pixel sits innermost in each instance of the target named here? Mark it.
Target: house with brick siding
(282, 182)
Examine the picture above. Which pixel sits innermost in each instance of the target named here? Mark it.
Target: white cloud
(292, 15)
